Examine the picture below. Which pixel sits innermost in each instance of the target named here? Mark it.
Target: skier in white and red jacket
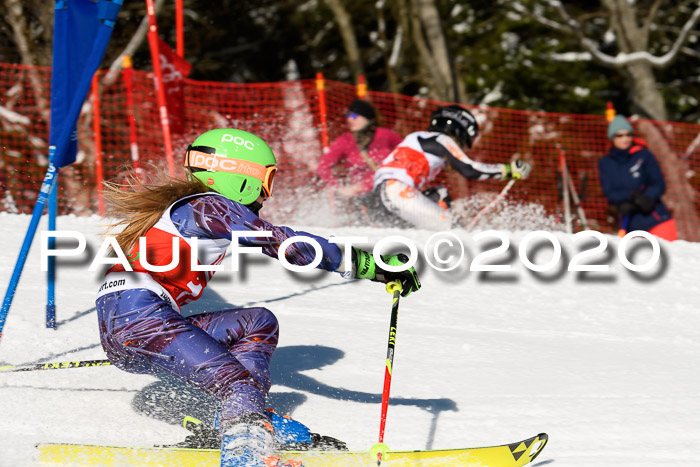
(400, 180)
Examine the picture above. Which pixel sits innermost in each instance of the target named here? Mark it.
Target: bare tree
(347, 32)
(30, 22)
(391, 49)
(418, 27)
(29, 49)
(131, 48)
(429, 37)
(632, 24)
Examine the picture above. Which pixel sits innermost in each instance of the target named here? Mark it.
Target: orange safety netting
(288, 116)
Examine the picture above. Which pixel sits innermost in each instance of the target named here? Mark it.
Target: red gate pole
(179, 30)
(158, 81)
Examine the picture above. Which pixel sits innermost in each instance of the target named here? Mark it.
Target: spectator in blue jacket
(633, 183)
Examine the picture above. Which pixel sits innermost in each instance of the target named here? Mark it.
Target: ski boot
(292, 435)
(289, 433)
(247, 441)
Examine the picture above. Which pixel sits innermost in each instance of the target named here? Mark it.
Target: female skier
(225, 353)
(360, 151)
(418, 160)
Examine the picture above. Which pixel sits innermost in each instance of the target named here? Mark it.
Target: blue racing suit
(225, 353)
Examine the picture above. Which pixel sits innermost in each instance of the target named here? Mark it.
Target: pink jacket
(345, 149)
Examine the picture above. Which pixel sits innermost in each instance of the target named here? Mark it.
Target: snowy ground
(605, 363)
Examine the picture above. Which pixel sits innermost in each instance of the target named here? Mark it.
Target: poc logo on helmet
(239, 141)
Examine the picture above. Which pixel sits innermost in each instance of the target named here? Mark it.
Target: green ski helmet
(234, 163)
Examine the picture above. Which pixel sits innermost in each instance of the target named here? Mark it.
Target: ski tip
(543, 439)
(526, 451)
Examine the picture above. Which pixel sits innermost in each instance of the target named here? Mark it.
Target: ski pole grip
(393, 286)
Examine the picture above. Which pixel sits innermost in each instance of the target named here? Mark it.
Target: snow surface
(605, 363)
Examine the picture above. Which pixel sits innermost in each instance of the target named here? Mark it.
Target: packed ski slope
(605, 363)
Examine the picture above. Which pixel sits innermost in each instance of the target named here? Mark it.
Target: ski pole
(53, 366)
(395, 288)
(565, 191)
(623, 226)
(500, 196)
(577, 202)
(569, 188)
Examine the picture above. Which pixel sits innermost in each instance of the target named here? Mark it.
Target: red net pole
(361, 87)
(99, 173)
(610, 112)
(128, 76)
(321, 88)
(158, 81)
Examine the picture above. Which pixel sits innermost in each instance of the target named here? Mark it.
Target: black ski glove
(644, 203)
(626, 207)
(366, 268)
(439, 195)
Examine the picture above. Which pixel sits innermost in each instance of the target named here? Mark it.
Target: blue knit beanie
(619, 123)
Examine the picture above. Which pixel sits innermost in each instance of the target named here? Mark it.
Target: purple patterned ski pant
(226, 353)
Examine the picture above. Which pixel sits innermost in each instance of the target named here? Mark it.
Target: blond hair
(137, 204)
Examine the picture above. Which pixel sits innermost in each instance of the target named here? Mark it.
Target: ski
(505, 455)
(53, 366)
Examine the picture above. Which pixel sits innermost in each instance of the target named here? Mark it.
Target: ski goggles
(197, 160)
(268, 180)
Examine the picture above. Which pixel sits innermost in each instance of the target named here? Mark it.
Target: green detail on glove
(506, 172)
(391, 260)
(515, 174)
(365, 267)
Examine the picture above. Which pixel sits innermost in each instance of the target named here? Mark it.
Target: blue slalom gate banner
(82, 29)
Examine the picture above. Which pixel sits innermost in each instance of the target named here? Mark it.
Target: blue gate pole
(46, 187)
(51, 273)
